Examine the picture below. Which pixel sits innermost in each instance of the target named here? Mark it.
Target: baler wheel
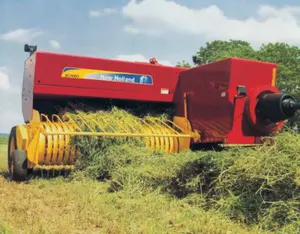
(17, 159)
(19, 165)
(12, 145)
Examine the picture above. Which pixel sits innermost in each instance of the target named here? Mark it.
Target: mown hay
(264, 183)
(96, 156)
(259, 185)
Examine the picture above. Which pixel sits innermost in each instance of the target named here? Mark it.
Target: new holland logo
(79, 73)
(144, 80)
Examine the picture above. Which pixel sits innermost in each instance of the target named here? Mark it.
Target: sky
(131, 30)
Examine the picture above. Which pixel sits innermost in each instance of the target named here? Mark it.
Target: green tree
(183, 64)
(287, 58)
(218, 50)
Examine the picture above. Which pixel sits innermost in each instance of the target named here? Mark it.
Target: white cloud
(21, 35)
(271, 24)
(132, 29)
(9, 118)
(4, 79)
(105, 11)
(54, 44)
(10, 108)
(140, 58)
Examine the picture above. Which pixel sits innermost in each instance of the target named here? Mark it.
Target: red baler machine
(233, 101)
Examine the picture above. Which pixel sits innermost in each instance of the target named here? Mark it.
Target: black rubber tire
(12, 137)
(19, 162)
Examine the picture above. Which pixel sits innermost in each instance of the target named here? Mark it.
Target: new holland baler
(233, 101)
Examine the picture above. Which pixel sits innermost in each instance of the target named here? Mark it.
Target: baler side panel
(208, 108)
(50, 91)
(27, 89)
(48, 79)
(257, 77)
(252, 74)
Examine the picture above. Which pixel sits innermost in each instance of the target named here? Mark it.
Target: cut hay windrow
(263, 183)
(94, 151)
(257, 186)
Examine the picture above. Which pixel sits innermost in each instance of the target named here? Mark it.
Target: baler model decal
(79, 73)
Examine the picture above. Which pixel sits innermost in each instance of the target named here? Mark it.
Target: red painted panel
(209, 107)
(48, 78)
(215, 109)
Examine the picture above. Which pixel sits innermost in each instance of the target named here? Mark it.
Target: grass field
(152, 194)
(61, 206)
(3, 159)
